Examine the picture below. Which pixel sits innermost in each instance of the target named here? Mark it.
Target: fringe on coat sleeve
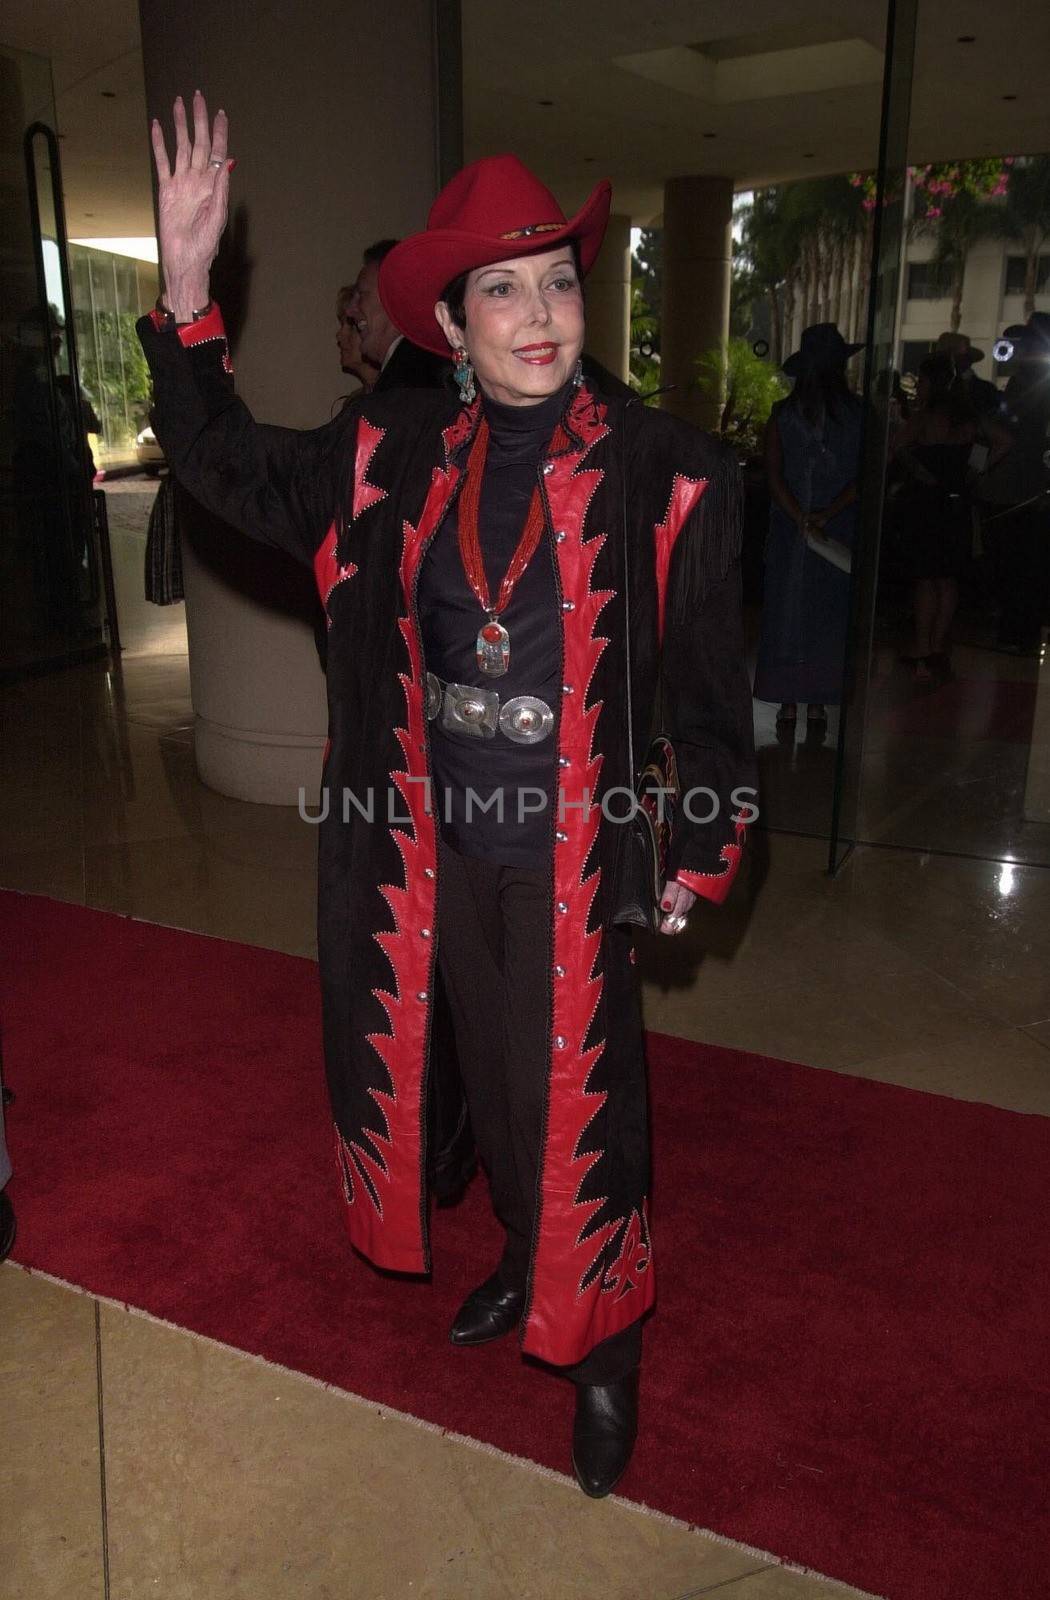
(712, 539)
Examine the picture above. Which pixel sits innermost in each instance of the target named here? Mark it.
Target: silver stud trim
(421, 995)
(560, 1041)
(567, 605)
(559, 972)
(561, 836)
(567, 688)
(424, 933)
(548, 468)
(428, 872)
(563, 761)
(560, 536)
(562, 908)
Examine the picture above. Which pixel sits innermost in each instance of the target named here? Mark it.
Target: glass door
(52, 585)
(888, 211)
(946, 741)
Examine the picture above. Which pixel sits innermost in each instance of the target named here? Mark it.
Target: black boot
(487, 1313)
(603, 1433)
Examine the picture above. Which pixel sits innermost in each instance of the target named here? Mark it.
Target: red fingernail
(665, 905)
(231, 163)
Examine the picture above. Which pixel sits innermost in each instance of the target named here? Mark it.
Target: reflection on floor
(959, 764)
(921, 970)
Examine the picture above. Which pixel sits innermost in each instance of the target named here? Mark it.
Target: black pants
(494, 954)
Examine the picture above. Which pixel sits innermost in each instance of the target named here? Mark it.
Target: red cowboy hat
(493, 210)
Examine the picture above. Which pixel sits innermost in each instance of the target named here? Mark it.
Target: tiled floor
(140, 1460)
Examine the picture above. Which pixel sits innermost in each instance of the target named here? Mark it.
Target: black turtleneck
(450, 617)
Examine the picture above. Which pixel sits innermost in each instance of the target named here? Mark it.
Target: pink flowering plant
(938, 182)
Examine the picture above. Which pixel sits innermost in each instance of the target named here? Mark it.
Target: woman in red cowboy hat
(504, 571)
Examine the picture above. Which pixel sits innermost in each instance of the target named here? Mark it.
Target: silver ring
(215, 162)
(676, 923)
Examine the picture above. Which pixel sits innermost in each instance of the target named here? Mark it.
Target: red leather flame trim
(716, 885)
(566, 1320)
(625, 1273)
(388, 1228)
(686, 494)
(327, 570)
(459, 430)
(209, 330)
(366, 494)
(210, 327)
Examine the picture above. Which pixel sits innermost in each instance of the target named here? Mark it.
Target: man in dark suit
(402, 364)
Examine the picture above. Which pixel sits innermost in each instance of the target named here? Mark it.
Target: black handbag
(646, 838)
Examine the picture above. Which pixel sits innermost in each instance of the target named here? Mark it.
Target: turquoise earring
(463, 373)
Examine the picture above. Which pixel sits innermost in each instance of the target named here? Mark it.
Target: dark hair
(947, 392)
(454, 293)
(378, 251)
(820, 389)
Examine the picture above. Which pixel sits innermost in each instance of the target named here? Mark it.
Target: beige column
(609, 299)
(332, 118)
(698, 252)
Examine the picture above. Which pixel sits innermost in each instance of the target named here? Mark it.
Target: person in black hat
(960, 350)
(1017, 521)
(812, 449)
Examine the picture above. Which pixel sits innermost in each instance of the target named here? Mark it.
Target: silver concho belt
(461, 708)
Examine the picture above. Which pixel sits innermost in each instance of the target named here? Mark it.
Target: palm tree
(802, 243)
(1025, 217)
(827, 215)
(768, 246)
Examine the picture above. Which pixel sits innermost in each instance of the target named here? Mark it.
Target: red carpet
(850, 1362)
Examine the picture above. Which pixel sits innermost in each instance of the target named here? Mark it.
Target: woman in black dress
(934, 507)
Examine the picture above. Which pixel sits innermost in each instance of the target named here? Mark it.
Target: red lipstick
(537, 355)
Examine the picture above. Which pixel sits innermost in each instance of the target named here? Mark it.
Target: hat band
(533, 227)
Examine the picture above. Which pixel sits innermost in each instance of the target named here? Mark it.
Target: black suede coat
(360, 499)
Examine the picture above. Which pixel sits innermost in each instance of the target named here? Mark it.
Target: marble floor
(139, 1459)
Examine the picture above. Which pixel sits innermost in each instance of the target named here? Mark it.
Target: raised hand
(193, 203)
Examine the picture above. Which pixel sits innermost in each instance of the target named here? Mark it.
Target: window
(1015, 270)
(921, 284)
(913, 353)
